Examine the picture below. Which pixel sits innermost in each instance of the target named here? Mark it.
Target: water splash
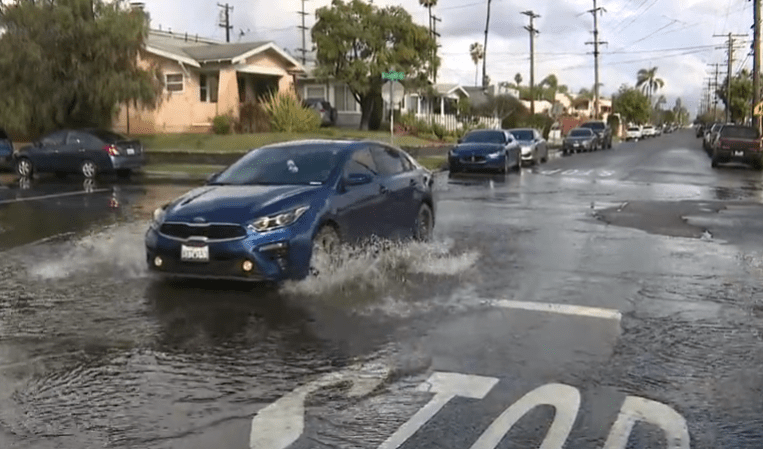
(116, 251)
(383, 264)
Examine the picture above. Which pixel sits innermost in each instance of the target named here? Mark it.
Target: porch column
(418, 105)
(442, 107)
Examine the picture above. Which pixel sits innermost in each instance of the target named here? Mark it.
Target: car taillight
(111, 149)
(323, 110)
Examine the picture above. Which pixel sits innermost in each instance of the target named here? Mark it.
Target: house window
(208, 88)
(413, 104)
(316, 92)
(174, 82)
(344, 100)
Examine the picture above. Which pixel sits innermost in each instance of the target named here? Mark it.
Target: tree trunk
(366, 108)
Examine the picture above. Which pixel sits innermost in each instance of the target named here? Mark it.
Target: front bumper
(6, 160)
(568, 146)
(475, 163)
(276, 256)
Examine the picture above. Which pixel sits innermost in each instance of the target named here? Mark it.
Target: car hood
(525, 143)
(237, 204)
(468, 149)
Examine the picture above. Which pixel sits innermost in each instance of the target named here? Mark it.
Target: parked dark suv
(602, 130)
(6, 150)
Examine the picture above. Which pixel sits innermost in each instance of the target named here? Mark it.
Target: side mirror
(212, 177)
(460, 140)
(357, 179)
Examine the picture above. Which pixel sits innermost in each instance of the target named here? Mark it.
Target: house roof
(477, 95)
(447, 89)
(196, 51)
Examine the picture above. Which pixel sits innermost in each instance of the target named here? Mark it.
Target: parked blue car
(6, 150)
(485, 149)
(279, 210)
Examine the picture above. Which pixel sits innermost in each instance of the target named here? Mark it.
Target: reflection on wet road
(599, 299)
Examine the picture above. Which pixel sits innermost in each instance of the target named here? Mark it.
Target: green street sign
(393, 75)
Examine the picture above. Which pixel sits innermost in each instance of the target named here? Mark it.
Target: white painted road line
(566, 402)
(446, 386)
(564, 309)
(55, 195)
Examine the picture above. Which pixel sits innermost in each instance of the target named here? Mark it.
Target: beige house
(584, 108)
(204, 78)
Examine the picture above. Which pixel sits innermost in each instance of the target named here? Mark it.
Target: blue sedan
(282, 211)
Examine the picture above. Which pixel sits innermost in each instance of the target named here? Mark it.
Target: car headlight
(277, 221)
(495, 155)
(526, 150)
(158, 215)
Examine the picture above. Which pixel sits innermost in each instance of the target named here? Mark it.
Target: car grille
(473, 159)
(210, 231)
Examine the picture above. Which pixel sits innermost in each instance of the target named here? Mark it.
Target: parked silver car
(532, 144)
(327, 112)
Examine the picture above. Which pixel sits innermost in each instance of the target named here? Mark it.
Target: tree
(501, 106)
(741, 95)
(647, 80)
(477, 52)
(356, 42)
(518, 79)
(550, 87)
(585, 93)
(71, 63)
(631, 104)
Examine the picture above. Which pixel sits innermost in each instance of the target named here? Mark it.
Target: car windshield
(524, 134)
(310, 164)
(580, 133)
(594, 125)
(107, 136)
(632, 129)
(739, 132)
(484, 137)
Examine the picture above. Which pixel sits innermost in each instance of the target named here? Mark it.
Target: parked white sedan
(633, 133)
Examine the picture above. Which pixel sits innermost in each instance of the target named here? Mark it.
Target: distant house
(204, 78)
(584, 108)
(441, 107)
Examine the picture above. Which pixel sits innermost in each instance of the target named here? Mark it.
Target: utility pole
(715, 89)
(484, 50)
(533, 32)
(435, 19)
(303, 50)
(595, 11)
(225, 20)
(730, 69)
(756, 122)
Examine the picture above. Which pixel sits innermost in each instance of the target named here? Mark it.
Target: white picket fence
(452, 123)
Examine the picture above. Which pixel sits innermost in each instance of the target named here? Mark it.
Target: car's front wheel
(24, 167)
(325, 252)
(424, 224)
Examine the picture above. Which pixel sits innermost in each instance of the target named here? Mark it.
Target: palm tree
(477, 52)
(660, 101)
(518, 79)
(647, 80)
(549, 87)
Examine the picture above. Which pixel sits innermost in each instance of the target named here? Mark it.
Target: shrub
(287, 114)
(252, 118)
(221, 124)
(438, 130)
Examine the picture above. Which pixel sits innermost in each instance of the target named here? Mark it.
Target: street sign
(758, 109)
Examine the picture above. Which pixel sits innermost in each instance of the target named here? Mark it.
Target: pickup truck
(738, 143)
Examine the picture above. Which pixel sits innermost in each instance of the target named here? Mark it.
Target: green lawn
(241, 142)
(433, 162)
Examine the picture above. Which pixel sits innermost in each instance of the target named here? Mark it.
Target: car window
(3, 134)
(580, 132)
(55, 138)
(632, 129)
(523, 134)
(83, 139)
(741, 132)
(485, 136)
(388, 160)
(107, 136)
(285, 164)
(361, 162)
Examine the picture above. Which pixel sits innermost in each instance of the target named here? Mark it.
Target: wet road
(607, 299)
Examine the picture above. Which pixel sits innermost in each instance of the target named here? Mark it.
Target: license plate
(130, 151)
(194, 253)
(738, 153)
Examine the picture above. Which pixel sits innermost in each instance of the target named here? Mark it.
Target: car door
(404, 183)
(73, 152)
(358, 208)
(540, 142)
(45, 157)
(398, 186)
(512, 149)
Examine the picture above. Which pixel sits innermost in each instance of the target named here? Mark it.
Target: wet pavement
(608, 299)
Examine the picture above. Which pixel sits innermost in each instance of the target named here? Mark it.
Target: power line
(225, 20)
(639, 15)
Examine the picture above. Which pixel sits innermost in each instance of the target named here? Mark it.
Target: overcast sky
(674, 35)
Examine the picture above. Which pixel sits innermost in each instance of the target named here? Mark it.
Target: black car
(86, 151)
(6, 150)
(579, 140)
(486, 149)
(602, 130)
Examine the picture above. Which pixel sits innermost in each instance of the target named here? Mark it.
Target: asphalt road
(601, 300)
